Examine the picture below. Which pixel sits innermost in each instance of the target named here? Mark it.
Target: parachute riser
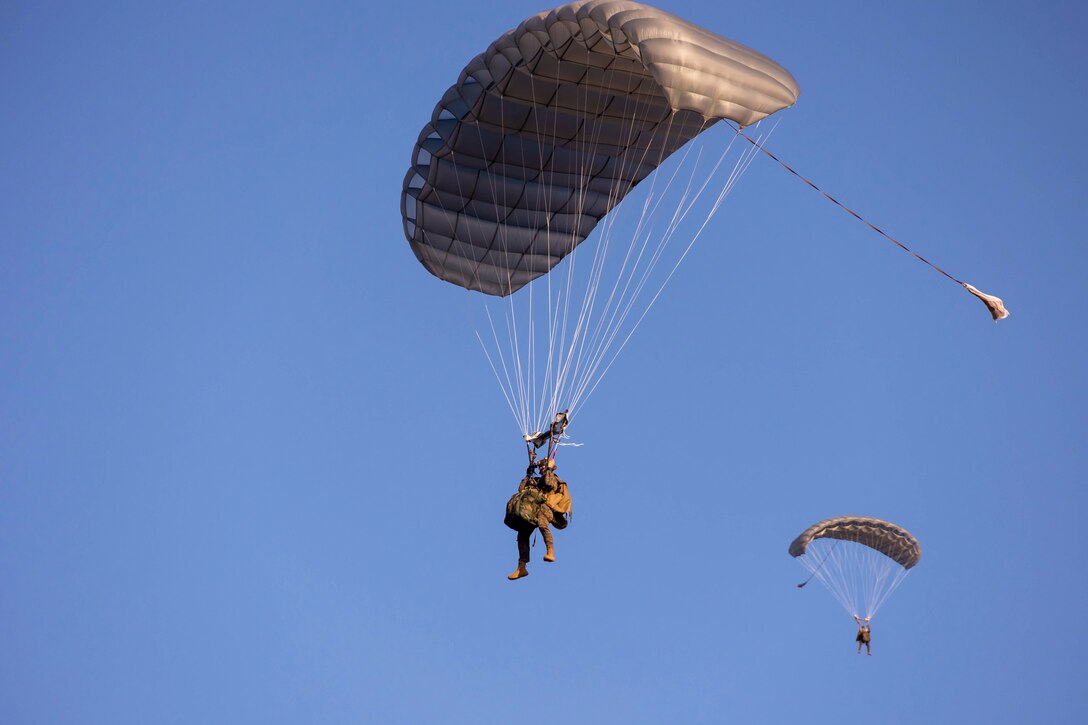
(552, 436)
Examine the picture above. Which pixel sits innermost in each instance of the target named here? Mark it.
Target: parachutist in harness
(540, 502)
(860, 560)
(864, 634)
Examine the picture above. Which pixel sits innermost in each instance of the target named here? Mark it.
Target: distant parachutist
(864, 634)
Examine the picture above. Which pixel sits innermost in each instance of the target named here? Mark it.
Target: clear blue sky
(253, 461)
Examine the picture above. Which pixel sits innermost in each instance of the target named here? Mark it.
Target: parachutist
(860, 560)
(540, 502)
(864, 634)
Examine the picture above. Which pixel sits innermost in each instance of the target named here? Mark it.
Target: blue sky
(253, 461)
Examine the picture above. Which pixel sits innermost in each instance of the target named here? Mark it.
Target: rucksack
(523, 509)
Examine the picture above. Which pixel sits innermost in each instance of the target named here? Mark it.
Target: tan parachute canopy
(552, 125)
(893, 541)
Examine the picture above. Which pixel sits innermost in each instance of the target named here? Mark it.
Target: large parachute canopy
(552, 125)
(860, 560)
(542, 135)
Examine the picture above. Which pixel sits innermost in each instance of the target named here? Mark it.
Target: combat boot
(519, 572)
(550, 556)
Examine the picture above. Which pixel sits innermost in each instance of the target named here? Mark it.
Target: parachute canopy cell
(893, 541)
(552, 125)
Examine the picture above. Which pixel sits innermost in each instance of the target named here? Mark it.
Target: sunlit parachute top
(552, 125)
(891, 540)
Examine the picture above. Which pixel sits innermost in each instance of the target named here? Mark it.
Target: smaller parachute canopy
(893, 541)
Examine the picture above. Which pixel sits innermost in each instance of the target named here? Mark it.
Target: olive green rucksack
(523, 508)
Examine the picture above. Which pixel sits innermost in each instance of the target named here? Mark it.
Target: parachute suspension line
(534, 409)
(601, 249)
(886, 587)
(557, 327)
(515, 355)
(994, 304)
(591, 349)
(508, 383)
(613, 306)
(507, 395)
(528, 380)
(860, 578)
(618, 307)
(554, 319)
(607, 317)
(508, 389)
(742, 164)
(538, 417)
(818, 567)
(835, 575)
(517, 392)
(512, 389)
(571, 351)
(483, 214)
(585, 328)
(621, 306)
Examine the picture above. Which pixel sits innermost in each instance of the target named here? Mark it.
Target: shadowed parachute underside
(552, 125)
(892, 541)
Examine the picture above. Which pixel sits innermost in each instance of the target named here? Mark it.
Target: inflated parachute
(860, 560)
(543, 134)
(555, 122)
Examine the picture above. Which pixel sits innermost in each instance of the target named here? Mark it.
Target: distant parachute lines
(860, 560)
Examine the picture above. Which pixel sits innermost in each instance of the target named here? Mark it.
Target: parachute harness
(994, 304)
